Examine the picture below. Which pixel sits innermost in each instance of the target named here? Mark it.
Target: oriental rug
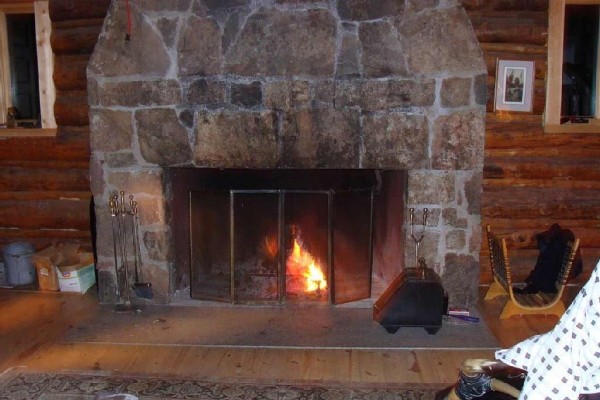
(18, 384)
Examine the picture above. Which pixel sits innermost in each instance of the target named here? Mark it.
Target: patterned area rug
(20, 385)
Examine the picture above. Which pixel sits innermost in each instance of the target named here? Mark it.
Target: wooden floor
(32, 322)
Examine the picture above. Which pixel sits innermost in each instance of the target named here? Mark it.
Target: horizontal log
(541, 168)
(513, 48)
(525, 238)
(44, 149)
(62, 234)
(521, 232)
(77, 23)
(540, 224)
(563, 184)
(501, 135)
(523, 195)
(45, 214)
(35, 179)
(71, 108)
(569, 152)
(500, 129)
(70, 72)
(52, 164)
(511, 27)
(505, 5)
(47, 195)
(525, 258)
(512, 16)
(43, 238)
(75, 39)
(61, 10)
(71, 134)
(540, 203)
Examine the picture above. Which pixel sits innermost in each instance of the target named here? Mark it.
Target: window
(572, 102)
(26, 71)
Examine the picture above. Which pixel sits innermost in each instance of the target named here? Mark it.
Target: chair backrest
(499, 260)
(567, 263)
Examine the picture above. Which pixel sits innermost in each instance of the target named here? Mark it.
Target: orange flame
(301, 262)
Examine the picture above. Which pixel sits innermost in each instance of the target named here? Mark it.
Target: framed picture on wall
(514, 85)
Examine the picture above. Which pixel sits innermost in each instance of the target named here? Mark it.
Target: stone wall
(387, 84)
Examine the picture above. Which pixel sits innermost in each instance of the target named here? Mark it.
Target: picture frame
(514, 85)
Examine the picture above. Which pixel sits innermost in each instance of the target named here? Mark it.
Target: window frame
(556, 29)
(47, 91)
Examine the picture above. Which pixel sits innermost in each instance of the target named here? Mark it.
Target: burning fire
(301, 263)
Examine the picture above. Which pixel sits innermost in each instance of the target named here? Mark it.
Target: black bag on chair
(552, 244)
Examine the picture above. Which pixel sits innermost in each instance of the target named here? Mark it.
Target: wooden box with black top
(415, 298)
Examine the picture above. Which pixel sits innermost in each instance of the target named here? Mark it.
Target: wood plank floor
(31, 323)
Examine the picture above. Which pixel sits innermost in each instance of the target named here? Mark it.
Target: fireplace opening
(282, 236)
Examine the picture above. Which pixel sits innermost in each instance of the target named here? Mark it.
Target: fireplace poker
(113, 213)
(418, 264)
(142, 289)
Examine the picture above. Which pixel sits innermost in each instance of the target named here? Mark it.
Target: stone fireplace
(393, 88)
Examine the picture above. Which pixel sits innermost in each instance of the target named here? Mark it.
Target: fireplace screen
(281, 245)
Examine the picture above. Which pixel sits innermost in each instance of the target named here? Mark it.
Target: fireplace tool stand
(121, 218)
(419, 262)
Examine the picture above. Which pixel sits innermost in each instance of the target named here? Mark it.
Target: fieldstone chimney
(310, 84)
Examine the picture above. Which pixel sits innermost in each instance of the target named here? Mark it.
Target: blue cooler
(18, 263)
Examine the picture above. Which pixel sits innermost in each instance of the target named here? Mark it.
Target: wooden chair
(531, 303)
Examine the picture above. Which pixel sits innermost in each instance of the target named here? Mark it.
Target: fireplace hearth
(291, 87)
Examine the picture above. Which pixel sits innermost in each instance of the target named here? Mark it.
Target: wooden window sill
(27, 132)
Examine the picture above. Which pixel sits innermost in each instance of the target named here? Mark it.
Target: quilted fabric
(565, 362)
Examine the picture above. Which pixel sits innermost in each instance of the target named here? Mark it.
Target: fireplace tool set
(126, 246)
(419, 262)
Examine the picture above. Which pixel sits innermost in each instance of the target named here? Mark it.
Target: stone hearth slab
(279, 327)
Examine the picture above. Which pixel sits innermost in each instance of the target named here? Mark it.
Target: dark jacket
(552, 245)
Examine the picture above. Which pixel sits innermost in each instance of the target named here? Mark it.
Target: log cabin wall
(45, 187)
(532, 179)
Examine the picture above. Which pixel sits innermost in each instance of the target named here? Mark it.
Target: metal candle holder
(419, 263)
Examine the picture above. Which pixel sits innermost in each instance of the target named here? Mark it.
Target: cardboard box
(77, 274)
(47, 260)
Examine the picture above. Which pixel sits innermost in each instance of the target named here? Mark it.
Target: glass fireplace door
(307, 246)
(255, 247)
(278, 246)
